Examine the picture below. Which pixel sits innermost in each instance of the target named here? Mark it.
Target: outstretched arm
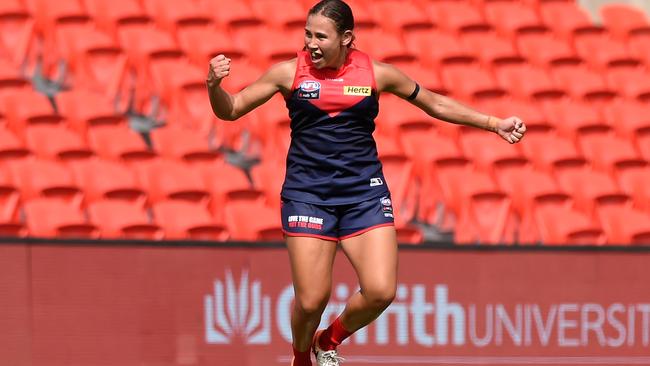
(230, 107)
(392, 80)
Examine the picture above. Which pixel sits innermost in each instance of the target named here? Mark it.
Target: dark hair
(338, 11)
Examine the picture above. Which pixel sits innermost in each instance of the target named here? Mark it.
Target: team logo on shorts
(309, 89)
(376, 182)
(386, 206)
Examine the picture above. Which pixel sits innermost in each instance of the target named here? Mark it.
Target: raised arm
(230, 107)
(392, 80)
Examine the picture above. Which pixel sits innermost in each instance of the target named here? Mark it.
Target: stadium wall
(129, 303)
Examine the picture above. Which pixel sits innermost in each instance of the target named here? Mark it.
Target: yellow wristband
(492, 124)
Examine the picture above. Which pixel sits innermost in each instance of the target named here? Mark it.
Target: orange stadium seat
(11, 80)
(564, 226)
(396, 114)
(524, 184)
(275, 46)
(544, 48)
(487, 218)
(172, 180)
(84, 110)
(623, 19)
(268, 176)
(102, 70)
(245, 75)
(571, 116)
(468, 82)
(189, 108)
(119, 219)
(581, 82)
(399, 16)
(628, 117)
(118, 143)
(187, 220)
(224, 181)
(456, 16)
(525, 81)
(423, 75)
(103, 179)
(639, 45)
(634, 179)
(53, 218)
(280, 13)
(643, 141)
(274, 124)
(438, 48)
(604, 149)
(510, 17)
(168, 75)
(387, 143)
(56, 142)
(17, 31)
(239, 13)
(418, 140)
(537, 150)
(602, 51)
(486, 149)
(192, 42)
(75, 45)
(43, 178)
(27, 107)
(174, 14)
(252, 220)
(9, 200)
(566, 18)
(391, 48)
(586, 185)
(11, 147)
(452, 181)
(147, 44)
(623, 224)
(363, 16)
(50, 14)
(184, 144)
(400, 177)
(491, 48)
(631, 82)
(108, 15)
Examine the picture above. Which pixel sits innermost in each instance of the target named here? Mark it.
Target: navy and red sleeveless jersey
(332, 159)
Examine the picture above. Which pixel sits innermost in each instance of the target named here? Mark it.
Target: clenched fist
(511, 129)
(219, 69)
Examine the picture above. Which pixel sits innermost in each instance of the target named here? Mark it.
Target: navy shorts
(335, 222)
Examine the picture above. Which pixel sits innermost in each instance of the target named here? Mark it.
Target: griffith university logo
(237, 311)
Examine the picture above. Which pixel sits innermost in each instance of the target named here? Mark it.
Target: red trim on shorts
(330, 238)
(366, 230)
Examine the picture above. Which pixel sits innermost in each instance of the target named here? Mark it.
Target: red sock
(334, 335)
(301, 358)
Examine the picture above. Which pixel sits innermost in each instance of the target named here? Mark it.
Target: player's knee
(380, 297)
(311, 305)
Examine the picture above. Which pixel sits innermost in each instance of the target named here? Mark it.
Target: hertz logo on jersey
(357, 90)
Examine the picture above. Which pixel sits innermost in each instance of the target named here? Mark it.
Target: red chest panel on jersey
(333, 91)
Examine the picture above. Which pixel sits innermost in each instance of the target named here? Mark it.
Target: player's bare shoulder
(282, 74)
(387, 76)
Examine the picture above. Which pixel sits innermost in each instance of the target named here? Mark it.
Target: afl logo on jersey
(309, 89)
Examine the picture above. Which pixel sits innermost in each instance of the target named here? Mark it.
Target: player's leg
(311, 243)
(374, 257)
(311, 270)
(369, 240)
